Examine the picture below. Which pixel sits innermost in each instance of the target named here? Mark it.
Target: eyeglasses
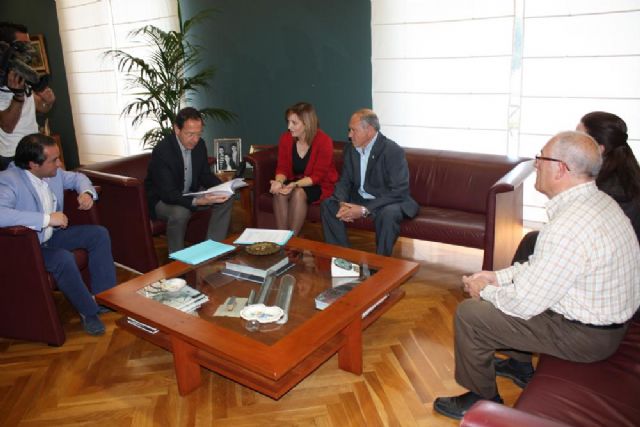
(551, 159)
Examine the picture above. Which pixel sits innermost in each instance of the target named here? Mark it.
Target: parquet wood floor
(120, 380)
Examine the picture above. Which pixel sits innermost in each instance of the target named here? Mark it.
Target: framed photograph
(228, 153)
(39, 60)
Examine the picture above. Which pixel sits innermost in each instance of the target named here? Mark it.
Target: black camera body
(17, 56)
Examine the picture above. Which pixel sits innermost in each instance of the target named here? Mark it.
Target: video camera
(16, 56)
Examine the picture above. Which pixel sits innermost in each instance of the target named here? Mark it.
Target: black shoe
(103, 309)
(456, 407)
(519, 372)
(92, 325)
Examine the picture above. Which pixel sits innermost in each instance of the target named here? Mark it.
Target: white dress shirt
(586, 264)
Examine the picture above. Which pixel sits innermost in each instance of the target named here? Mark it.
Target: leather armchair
(124, 211)
(27, 307)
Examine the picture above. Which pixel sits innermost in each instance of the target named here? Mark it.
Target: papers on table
(224, 189)
(253, 235)
(201, 252)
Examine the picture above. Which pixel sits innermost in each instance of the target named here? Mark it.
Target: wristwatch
(365, 212)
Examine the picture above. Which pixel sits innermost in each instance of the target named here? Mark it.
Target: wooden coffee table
(275, 358)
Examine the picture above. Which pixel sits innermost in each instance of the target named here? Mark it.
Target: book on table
(256, 267)
(227, 188)
(185, 299)
(331, 295)
(255, 235)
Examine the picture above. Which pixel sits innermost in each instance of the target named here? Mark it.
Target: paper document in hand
(224, 189)
(253, 235)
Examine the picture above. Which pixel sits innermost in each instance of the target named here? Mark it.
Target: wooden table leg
(350, 356)
(187, 370)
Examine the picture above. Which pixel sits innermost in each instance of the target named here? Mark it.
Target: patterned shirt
(586, 264)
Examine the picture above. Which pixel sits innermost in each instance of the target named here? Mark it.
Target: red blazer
(321, 168)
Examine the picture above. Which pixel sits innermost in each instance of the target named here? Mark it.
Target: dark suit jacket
(165, 176)
(386, 178)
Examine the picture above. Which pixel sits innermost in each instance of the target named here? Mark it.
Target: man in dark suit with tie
(374, 181)
(179, 165)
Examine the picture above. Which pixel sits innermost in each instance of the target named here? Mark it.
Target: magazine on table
(185, 299)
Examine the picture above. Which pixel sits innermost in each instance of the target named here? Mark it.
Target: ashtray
(261, 313)
(262, 248)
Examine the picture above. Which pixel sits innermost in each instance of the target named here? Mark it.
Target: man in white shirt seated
(32, 195)
(574, 296)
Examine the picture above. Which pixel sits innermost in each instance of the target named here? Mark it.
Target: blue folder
(201, 252)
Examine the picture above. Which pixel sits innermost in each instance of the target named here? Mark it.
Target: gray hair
(369, 117)
(579, 151)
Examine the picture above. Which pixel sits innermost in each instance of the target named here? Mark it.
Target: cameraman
(17, 109)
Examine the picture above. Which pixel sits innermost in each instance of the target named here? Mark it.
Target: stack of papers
(201, 252)
(224, 189)
(254, 235)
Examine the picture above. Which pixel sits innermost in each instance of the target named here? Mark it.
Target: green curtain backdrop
(271, 54)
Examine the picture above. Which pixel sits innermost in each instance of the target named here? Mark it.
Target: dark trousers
(4, 162)
(177, 218)
(60, 262)
(481, 330)
(386, 219)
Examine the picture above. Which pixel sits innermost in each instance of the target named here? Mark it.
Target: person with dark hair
(179, 165)
(572, 300)
(222, 163)
(17, 105)
(31, 195)
(620, 173)
(619, 176)
(234, 160)
(305, 172)
(374, 180)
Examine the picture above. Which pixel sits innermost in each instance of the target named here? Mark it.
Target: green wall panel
(271, 54)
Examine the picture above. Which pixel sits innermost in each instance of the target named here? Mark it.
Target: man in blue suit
(374, 181)
(32, 195)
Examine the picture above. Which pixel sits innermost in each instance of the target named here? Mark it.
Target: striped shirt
(586, 264)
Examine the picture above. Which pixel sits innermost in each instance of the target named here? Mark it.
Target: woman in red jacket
(306, 172)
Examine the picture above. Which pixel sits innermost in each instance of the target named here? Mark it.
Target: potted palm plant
(163, 80)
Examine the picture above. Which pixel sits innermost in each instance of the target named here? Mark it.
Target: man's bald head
(579, 151)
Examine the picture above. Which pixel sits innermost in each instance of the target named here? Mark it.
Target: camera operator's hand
(44, 100)
(10, 116)
(15, 82)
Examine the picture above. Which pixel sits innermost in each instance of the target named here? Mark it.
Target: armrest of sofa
(98, 176)
(124, 211)
(486, 413)
(264, 164)
(503, 226)
(77, 216)
(27, 306)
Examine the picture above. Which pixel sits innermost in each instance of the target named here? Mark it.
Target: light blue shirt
(365, 152)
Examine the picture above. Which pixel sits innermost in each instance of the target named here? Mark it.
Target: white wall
(98, 92)
(502, 76)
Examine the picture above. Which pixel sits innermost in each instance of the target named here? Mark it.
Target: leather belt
(588, 325)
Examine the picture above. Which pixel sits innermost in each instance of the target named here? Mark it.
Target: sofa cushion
(599, 393)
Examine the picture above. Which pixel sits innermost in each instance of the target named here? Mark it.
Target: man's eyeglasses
(551, 159)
